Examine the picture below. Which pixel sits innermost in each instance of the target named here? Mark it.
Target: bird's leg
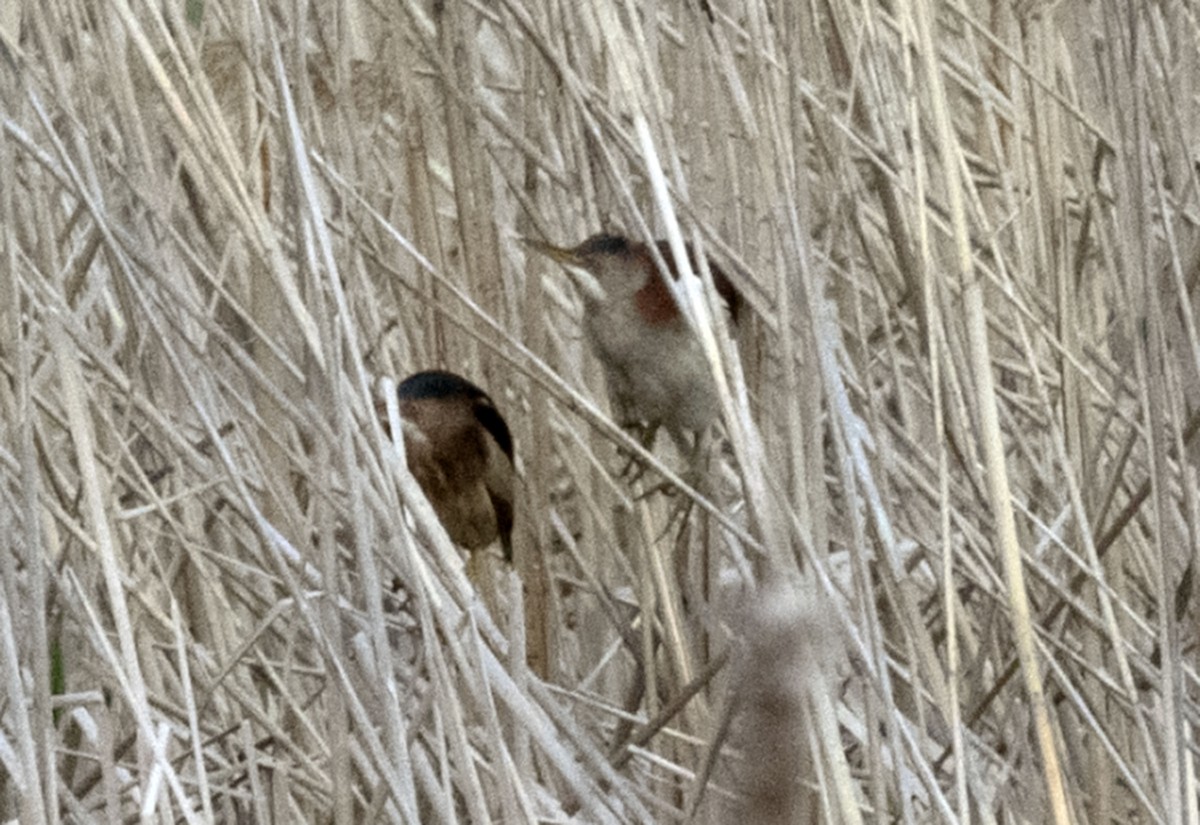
(633, 701)
(691, 451)
(645, 434)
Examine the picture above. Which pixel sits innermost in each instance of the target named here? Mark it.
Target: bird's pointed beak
(573, 263)
(554, 253)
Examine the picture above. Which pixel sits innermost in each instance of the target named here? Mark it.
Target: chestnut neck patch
(654, 301)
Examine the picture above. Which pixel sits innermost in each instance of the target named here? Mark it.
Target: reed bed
(938, 565)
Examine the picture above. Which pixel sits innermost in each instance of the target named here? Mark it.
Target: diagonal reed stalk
(959, 413)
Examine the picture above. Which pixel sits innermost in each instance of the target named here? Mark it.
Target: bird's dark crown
(604, 244)
(438, 384)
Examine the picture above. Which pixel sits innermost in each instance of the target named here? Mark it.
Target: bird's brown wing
(499, 475)
(725, 288)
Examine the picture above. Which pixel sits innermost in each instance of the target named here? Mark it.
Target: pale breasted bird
(657, 372)
(460, 451)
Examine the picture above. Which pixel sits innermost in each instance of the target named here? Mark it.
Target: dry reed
(938, 567)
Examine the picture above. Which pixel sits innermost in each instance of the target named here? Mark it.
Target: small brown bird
(656, 370)
(460, 451)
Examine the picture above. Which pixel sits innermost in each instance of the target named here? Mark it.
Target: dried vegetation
(939, 570)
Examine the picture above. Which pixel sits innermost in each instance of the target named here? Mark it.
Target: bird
(656, 371)
(460, 451)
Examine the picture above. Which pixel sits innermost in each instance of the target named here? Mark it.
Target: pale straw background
(940, 571)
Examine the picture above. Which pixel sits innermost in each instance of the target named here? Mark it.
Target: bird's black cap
(437, 384)
(604, 244)
(433, 384)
